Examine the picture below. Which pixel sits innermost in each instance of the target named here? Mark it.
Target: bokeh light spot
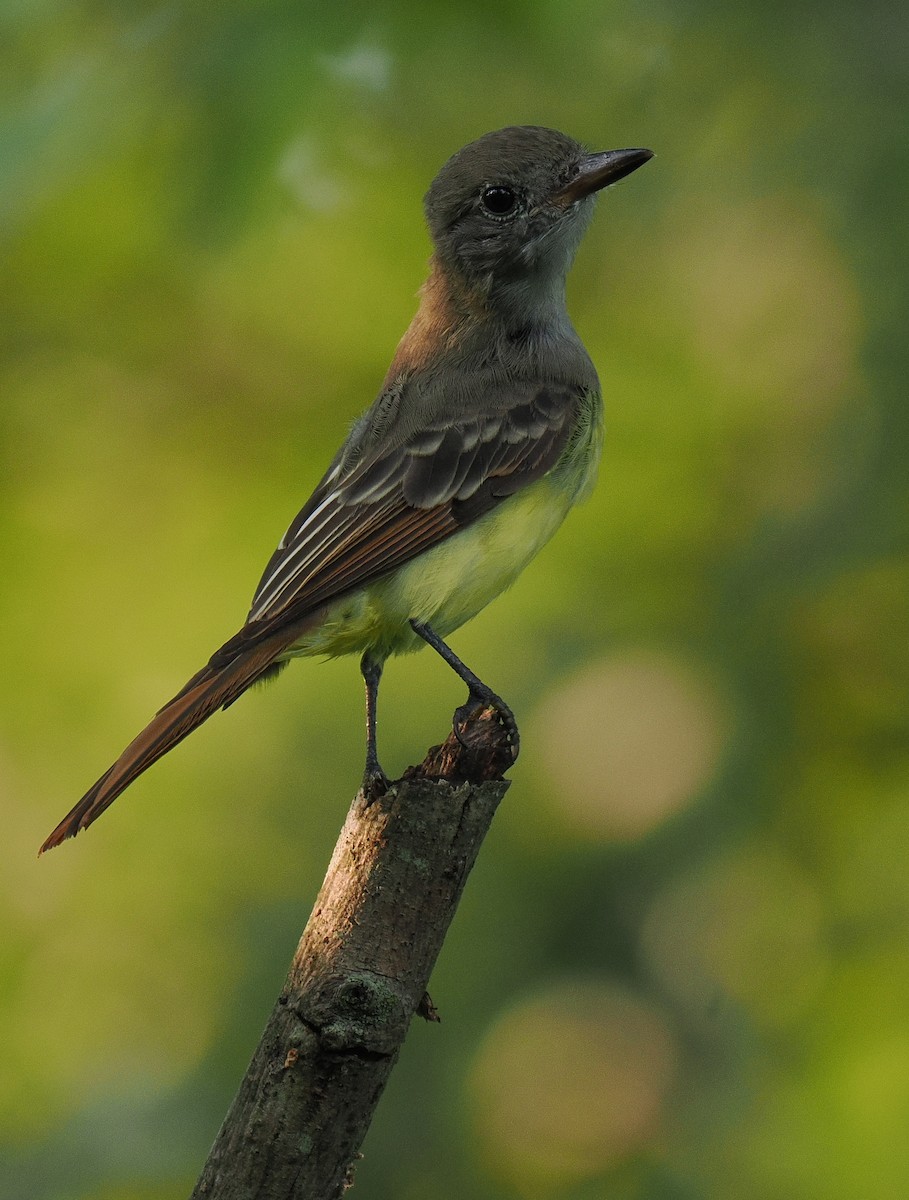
(771, 300)
(630, 741)
(569, 1082)
(748, 927)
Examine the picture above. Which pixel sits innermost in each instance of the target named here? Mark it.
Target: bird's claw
(487, 699)
(375, 784)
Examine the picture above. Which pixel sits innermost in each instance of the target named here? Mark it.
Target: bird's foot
(375, 783)
(483, 697)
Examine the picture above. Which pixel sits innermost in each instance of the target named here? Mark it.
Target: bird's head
(508, 211)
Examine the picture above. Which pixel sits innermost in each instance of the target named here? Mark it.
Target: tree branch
(358, 976)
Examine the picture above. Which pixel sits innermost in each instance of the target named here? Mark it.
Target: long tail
(212, 688)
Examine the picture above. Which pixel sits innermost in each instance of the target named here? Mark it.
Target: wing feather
(398, 500)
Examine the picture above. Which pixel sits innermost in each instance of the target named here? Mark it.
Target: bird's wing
(396, 503)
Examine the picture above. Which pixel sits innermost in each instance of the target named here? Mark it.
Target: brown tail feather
(208, 690)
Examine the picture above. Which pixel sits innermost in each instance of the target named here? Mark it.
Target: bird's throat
(455, 316)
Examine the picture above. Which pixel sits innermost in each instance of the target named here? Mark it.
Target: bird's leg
(479, 692)
(375, 781)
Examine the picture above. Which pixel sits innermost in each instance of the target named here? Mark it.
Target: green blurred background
(681, 967)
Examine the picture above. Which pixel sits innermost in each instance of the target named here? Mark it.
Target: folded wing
(393, 505)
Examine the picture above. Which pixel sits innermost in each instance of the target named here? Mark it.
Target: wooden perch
(359, 974)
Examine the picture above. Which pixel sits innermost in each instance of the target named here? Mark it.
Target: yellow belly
(451, 583)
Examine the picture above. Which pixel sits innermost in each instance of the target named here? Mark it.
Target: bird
(486, 430)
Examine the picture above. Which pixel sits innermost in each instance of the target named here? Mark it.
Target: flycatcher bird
(486, 431)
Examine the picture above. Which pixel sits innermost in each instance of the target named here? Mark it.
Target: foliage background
(681, 968)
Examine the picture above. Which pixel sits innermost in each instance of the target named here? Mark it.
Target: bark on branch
(359, 974)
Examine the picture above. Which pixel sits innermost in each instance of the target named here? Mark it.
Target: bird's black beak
(598, 171)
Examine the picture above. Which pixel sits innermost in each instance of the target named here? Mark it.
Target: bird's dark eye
(498, 200)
